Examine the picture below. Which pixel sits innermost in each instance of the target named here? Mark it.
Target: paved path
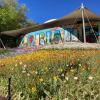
(74, 45)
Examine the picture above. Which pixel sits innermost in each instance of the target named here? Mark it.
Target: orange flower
(33, 72)
(94, 70)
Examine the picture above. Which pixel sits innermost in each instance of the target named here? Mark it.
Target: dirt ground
(68, 45)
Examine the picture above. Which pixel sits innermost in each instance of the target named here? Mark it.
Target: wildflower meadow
(66, 74)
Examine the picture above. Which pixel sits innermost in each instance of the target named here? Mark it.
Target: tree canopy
(12, 15)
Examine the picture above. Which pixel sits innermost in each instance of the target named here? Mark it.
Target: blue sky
(43, 10)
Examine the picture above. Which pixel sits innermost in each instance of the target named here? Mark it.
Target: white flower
(64, 81)
(62, 74)
(78, 59)
(12, 69)
(71, 67)
(75, 78)
(79, 65)
(23, 71)
(65, 99)
(90, 78)
(36, 72)
(72, 70)
(28, 74)
(25, 66)
(16, 65)
(67, 65)
(67, 78)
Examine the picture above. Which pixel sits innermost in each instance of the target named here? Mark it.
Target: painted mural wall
(48, 36)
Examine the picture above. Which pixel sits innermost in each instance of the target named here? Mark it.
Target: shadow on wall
(8, 41)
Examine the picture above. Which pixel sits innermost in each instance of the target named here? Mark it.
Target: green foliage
(4, 52)
(12, 16)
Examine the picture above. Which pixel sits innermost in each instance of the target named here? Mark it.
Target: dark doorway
(91, 34)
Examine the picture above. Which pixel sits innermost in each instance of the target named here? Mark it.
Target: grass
(4, 51)
(52, 74)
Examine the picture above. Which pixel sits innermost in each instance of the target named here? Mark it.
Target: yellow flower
(83, 69)
(53, 98)
(41, 79)
(55, 78)
(46, 68)
(33, 89)
(60, 69)
(20, 63)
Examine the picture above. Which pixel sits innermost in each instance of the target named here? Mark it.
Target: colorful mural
(47, 36)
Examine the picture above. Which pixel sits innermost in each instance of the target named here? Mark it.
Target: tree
(12, 15)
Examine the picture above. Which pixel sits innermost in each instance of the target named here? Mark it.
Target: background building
(82, 24)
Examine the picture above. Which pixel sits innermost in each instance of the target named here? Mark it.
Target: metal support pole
(82, 7)
(9, 89)
(2, 44)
